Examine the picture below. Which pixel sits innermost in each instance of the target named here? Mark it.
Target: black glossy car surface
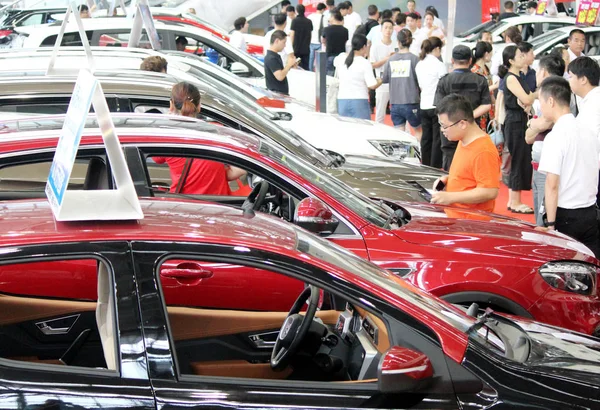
(163, 356)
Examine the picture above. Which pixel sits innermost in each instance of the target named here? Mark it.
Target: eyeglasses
(445, 127)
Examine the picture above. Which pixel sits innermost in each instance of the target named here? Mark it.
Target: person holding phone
(275, 71)
(474, 177)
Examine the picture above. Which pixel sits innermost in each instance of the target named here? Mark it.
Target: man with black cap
(468, 84)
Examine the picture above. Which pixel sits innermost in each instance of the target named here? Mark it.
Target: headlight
(576, 277)
(396, 149)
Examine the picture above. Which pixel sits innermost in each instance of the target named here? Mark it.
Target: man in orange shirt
(474, 176)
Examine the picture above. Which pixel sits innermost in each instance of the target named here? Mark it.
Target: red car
(461, 256)
(193, 20)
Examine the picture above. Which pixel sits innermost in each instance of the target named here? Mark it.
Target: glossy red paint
(31, 222)
(401, 360)
(189, 22)
(251, 48)
(447, 252)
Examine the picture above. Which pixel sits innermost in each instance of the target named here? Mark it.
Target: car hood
(566, 353)
(481, 232)
(375, 178)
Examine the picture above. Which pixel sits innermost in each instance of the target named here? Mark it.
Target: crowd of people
(549, 118)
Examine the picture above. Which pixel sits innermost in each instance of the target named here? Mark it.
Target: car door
(220, 358)
(71, 351)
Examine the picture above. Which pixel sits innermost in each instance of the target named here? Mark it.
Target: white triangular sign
(143, 19)
(116, 204)
(71, 11)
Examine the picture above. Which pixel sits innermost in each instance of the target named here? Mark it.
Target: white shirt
(497, 61)
(418, 37)
(429, 71)
(351, 22)
(374, 35)
(356, 80)
(237, 40)
(288, 25)
(589, 112)
(327, 16)
(572, 55)
(316, 21)
(286, 51)
(439, 23)
(571, 152)
(378, 52)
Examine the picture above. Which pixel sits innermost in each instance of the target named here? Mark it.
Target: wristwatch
(549, 224)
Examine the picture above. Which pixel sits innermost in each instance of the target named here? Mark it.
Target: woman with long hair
(517, 101)
(194, 175)
(482, 56)
(429, 71)
(356, 79)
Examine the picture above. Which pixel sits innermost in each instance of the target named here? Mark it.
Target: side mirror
(314, 216)
(240, 69)
(402, 370)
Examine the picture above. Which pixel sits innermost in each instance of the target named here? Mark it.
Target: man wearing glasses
(474, 176)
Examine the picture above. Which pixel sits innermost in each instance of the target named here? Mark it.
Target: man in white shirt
(570, 161)
(374, 35)
(280, 23)
(576, 43)
(379, 54)
(351, 20)
(584, 77)
(318, 23)
(411, 24)
(236, 38)
(330, 4)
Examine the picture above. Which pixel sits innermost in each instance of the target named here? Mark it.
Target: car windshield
(477, 29)
(545, 39)
(361, 205)
(343, 258)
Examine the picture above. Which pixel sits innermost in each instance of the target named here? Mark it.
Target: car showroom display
(462, 256)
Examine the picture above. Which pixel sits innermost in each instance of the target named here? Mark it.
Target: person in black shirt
(373, 19)
(275, 72)
(468, 84)
(335, 37)
(509, 11)
(300, 33)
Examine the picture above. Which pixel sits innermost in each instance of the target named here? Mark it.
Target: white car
(543, 44)
(335, 134)
(115, 31)
(541, 24)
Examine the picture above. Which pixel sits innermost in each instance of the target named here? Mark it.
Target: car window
(33, 177)
(115, 39)
(69, 39)
(43, 314)
(31, 20)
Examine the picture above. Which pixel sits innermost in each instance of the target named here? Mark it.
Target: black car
(366, 339)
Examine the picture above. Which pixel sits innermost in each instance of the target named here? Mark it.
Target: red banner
(587, 12)
(487, 8)
(310, 5)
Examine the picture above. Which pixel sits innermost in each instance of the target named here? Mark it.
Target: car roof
(585, 29)
(537, 19)
(32, 129)
(31, 221)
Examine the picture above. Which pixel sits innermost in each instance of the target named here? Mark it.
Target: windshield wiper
(398, 215)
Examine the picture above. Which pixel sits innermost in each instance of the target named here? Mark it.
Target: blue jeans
(313, 54)
(358, 108)
(538, 184)
(330, 67)
(401, 113)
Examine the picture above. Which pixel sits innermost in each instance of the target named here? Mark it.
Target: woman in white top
(356, 78)
(429, 71)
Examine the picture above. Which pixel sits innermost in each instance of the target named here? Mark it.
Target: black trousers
(304, 61)
(580, 224)
(431, 149)
(521, 170)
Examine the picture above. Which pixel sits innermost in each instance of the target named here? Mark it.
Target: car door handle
(186, 273)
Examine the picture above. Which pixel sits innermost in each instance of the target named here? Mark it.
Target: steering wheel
(257, 197)
(294, 328)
